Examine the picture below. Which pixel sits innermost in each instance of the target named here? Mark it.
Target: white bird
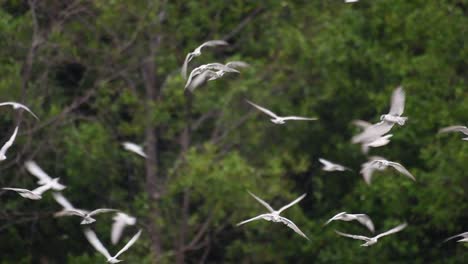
(274, 216)
(372, 240)
(380, 164)
(381, 128)
(197, 52)
(464, 239)
(16, 106)
(36, 171)
(7, 145)
(87, 217)
(94, 241)
(279, 119)
(231, 65)
(212, 72)
(462, 129)
(361, 218)
(132, 147)
(378, 142)
(330, 166)
(35, 194)
(351, 1)
(121, 220)
(60, 199)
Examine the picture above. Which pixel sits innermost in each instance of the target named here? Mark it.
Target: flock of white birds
(372, 135)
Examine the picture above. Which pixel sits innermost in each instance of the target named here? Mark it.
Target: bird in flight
(60, 199)
(279, 119)
(380, 164)
(387, 121)
(274, 216)
(330, 166)
(462, 129)
(372, 240)
(132, 147)
(197, 52)
(121, 220)
(35, 194)
(36, 171)
(210, 72)
(378, 142)
(16, 106)
(463, 235)
(87, 216)
(361, 218)
(94, 241)
(7, 145)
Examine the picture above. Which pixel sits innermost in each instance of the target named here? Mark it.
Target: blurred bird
(464, 239)
(381, 164)
(330, 166)
(197, 52)
(372, 240)
(36, 171)
(351, 1)
(361, 218)
(121, 220)
(60, 199)
(379, 142)
(35, 194)
(87, 219)
(16, 106)
(462, 129)
(7, 145)
(212, 71)
(132, 147)
(274, 216)
(232, 65)
(381, 128)
(278, 119)
(94, 241)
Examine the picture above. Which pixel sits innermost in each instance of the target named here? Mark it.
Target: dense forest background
(101, 72)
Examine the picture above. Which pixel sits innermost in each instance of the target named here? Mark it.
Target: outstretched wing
(373, 132)
(16, 105)
(366, 221)
(398, 102)
(264, 110)
(401, 169)
(291, 225)
(334, 217)
(262, 216)
(183, 71)
(211, 43)
(262, 202)
(352, 236)
(393, 230)
(292, 203)
(129, 244)
(237, 64)
(94, 241)
(69, 212)
(121, 220)
(101, 211)
(9, 143)
(367, 169)
(36, 171)
(299, 118)
(60, 199)
(19, 190)
(462, 129)
(465, 235)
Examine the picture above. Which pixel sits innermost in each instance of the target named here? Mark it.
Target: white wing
(262, 216)
(183, 71)
(462, 129)
(9, 142)
(134, 148)
(366, 221)
(334, 217)
(199, 80)
(465, 235)
(59, 198)
(262, 202)
(352, 236)
(16, 105)
(299, 118)
(398, 102)
(264, 110)
(121, 220)
(19, 190)
(393, 230)
(69, 212)
(129, 244)
(373, 132)
(326, 163)
(101, 211)
(211, 43)
(36, 171)
(291, 225)
(292, 203)
(43, 188)
(401, 169)
(237, 64)
(367, 170)
(94, 241)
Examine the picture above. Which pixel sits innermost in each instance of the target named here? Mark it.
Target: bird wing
(94, 241)
(264, 110)
(334, 217)
(457, 128)
(36, 171)
(199, 80)
(353, 236)
(59, 198)
(299, 118)
(129, 244)
(398, 102)
(291, 225)
(9, 142)
(43, 188)
(366, 221)
(211, 43)
(252, 219)
(101, 211)
(68, 212)
(134, 148)
(117, 228)
(183, 71)
(373, 132)
(20, 190)
(237, 64)
(465, 234)
(362, 124)
(326, 163)
(262, 202)
(393, 230)
(292, 203)
(367, 170)
(16, 105)
(401, 169)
